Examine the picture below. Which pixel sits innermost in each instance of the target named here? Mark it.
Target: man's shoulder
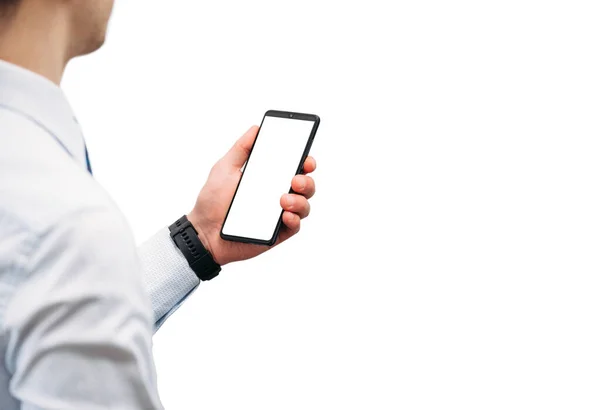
(40, 184)
(47, 198)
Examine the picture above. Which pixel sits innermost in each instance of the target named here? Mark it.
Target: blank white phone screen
(268, 174)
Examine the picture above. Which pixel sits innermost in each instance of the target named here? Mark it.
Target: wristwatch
(200, 260)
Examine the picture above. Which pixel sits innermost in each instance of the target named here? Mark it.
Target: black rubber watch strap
(200, 260)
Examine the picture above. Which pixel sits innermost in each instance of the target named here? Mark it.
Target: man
(78, 302)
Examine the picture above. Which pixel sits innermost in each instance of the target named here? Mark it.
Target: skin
(214, 199)
(44, 35)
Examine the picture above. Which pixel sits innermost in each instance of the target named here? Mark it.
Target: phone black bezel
(291, 116)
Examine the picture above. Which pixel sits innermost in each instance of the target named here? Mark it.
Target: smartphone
(278, 153)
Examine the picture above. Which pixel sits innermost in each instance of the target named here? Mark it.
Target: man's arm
(80, 326)
(167, 276)
(168, 279)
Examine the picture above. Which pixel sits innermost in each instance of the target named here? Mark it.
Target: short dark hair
(8, 6)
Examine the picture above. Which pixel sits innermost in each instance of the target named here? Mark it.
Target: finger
(292, 221)
(296, 204)
(304, 185)
(310, 165)
(238, 154)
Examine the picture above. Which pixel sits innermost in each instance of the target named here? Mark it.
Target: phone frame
(292, 116)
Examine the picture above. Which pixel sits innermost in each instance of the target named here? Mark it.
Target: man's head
(83, 22)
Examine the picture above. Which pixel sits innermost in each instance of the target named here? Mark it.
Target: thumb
(239, 153)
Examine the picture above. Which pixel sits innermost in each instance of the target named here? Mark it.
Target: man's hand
(214, 200)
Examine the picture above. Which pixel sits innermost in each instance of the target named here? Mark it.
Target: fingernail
(301, 184)
(289, 200)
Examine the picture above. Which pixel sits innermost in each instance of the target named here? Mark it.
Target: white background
(451, 257)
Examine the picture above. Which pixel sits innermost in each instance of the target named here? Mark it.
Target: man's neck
(36, 38)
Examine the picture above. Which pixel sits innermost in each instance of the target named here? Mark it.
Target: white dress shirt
(78, 302)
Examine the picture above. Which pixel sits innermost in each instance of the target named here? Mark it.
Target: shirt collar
(43, 102)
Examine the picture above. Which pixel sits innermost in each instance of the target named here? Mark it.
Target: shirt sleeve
(79, 327)
(168, 278)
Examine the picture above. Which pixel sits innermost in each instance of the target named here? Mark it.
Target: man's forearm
(168, 279)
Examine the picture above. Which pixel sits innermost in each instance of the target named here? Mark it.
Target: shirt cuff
(168, 278)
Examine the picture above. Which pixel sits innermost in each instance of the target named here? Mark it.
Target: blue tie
(87, 161)
(87, 156)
